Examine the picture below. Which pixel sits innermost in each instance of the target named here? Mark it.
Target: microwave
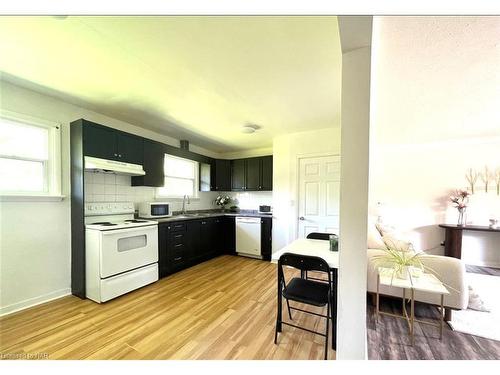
(151, 210)
(265, 210)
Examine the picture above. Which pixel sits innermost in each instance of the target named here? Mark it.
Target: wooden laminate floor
(221, 309)
(389, 338)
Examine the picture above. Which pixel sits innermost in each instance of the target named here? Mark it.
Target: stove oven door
(127, 249)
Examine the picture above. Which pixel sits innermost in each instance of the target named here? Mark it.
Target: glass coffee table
(425, 282)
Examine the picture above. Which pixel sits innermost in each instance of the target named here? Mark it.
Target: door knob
(301, 218)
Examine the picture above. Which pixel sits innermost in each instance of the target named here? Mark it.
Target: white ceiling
(195, 78)
(436, 79)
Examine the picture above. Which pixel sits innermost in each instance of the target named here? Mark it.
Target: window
(180, 178)
(29, 156)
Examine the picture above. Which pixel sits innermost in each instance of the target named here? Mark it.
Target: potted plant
(401, 258)
(222, 200)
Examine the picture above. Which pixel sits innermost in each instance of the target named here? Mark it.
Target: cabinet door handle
(178, 236)
(119, 155)
(178, 258)
(115, 154)
(203, 222)
(178, 245)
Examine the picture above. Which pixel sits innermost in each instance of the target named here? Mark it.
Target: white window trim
(53, 188)
(196, 187)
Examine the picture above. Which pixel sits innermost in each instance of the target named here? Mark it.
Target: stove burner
(104, 223)
(136, 221)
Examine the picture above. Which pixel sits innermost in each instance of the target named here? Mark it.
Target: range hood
(112, 166)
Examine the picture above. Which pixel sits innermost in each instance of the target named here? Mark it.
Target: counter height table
(321, 249)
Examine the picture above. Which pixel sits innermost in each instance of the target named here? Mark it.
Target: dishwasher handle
(248, 220)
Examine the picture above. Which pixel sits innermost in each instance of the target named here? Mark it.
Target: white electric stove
(121, 252)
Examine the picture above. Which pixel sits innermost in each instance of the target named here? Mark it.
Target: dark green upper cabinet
(153, 160)
(129, 148)
(107, 143)
(253, 174)
(238, 173)
(99, 142)
(266, 173)
(222, 180)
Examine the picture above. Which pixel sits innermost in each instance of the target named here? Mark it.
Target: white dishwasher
(248, 236)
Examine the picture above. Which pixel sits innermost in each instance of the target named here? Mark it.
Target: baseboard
(18, 306)
(484, 264)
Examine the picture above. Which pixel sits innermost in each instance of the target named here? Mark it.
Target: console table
(453, 237)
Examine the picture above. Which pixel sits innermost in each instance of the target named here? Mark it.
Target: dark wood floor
(389, 338)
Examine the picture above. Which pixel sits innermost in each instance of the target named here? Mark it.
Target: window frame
(52, 172)
(195, 179)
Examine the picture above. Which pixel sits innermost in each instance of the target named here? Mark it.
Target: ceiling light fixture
(249, 128)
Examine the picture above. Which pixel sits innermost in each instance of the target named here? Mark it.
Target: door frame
(295, 230)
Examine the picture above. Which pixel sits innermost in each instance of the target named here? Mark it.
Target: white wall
(435, 99)
(286, 151)
(35, 236)
(351, 305)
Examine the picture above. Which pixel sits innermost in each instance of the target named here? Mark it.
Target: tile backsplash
(108, 187)
(252, 200)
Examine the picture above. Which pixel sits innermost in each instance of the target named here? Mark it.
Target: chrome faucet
(184, 203)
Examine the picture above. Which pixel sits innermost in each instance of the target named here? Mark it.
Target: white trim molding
(22, 305)
(31, 198)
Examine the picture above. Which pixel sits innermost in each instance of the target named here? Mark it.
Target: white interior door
(319, 195)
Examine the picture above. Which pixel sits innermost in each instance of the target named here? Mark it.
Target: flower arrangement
(222, 200)
(460, 200)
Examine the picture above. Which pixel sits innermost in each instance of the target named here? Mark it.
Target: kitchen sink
(200, 214)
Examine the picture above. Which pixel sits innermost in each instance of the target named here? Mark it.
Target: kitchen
(120, 251)
(125, 210)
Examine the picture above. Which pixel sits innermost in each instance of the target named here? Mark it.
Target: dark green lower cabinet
(182, 244)
(266, 230)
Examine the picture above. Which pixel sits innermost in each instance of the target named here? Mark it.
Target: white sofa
(451, 272)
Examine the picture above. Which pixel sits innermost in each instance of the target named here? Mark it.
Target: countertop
(205, 215)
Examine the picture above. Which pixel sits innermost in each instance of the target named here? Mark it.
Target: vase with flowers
(460, 200)
(222, 200)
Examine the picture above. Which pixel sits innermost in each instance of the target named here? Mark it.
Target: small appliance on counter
(265, 210)
(154, 210)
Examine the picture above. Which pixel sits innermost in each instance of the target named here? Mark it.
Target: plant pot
(462, 217)
(403, 273)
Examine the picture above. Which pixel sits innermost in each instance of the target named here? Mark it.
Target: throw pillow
(397, 244)
(374, 239)
(475, 302)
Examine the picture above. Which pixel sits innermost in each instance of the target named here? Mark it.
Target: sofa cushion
(374, 238)
(391, 241)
